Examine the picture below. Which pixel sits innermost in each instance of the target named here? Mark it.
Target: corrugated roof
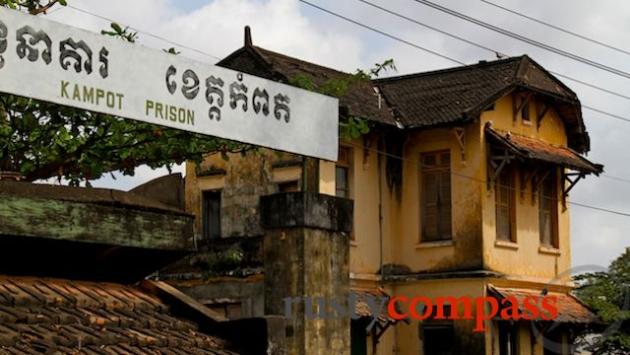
(570, 309)
(532, 148)
(41, 315)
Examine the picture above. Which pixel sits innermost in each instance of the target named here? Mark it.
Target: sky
(215, 27)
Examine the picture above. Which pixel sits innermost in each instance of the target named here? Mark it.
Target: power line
(599, 209)
(387, 35)
(442, 55)
(621, 118)
(146, 33)
(486, 48)
(615, 178)
(524, 39)
(558, 28)
(396, 38)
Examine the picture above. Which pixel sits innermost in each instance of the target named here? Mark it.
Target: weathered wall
(306, 253)
(242, 180)
(525, 258)
(464, 251)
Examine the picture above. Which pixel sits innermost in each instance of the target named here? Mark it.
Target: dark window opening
(436, 196)
(438, 336)
(211, 214)
(358, 337)
(341, 182)
(508, 338)
(525, 110)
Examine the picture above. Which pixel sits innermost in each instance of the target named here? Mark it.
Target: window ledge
(506, 244)
(526, 122)
(353, 243)
(436, 244)
(543, 249)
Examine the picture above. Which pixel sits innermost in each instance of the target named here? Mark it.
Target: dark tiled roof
(430, 99)
(570, 309)
(457, 94)
(360, 99)
(531, 148)
(55, 316)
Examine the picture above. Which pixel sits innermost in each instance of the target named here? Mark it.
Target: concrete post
(306, 255)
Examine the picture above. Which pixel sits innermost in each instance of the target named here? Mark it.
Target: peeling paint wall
(242, 180)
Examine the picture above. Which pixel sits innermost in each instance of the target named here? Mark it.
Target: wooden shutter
(547, 211)
(436, 196)
(505, 208)
(430, 206)
(444, 205)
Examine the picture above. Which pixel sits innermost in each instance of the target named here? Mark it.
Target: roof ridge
(480, 64)
(263, 51)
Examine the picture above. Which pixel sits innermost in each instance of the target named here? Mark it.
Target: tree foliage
(41, 140)
(608, 293)
(34, 7)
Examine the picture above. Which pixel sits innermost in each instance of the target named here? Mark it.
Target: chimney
(248, 37)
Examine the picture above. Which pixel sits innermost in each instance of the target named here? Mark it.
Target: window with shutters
(505, 202)
(548, 206)
(435, 191)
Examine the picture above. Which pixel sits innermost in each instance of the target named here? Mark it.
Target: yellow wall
(473, 211)
(397, 236)
(407, 336)
(526, 258)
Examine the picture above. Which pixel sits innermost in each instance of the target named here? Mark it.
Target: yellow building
(460, 190)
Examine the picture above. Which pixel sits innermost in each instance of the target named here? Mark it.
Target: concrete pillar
(306, 254)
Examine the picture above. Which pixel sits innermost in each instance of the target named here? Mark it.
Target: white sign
(53, 62)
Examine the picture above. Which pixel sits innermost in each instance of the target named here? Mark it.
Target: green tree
(608, 293)
(41, 140)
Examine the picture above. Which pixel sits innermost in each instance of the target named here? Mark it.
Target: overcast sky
(287, 26)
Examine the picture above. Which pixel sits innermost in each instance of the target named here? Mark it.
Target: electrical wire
(486, 48)
(524, 39)
(397, 39)
(558, 28)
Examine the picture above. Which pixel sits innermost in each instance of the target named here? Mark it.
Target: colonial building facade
(460, 190)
